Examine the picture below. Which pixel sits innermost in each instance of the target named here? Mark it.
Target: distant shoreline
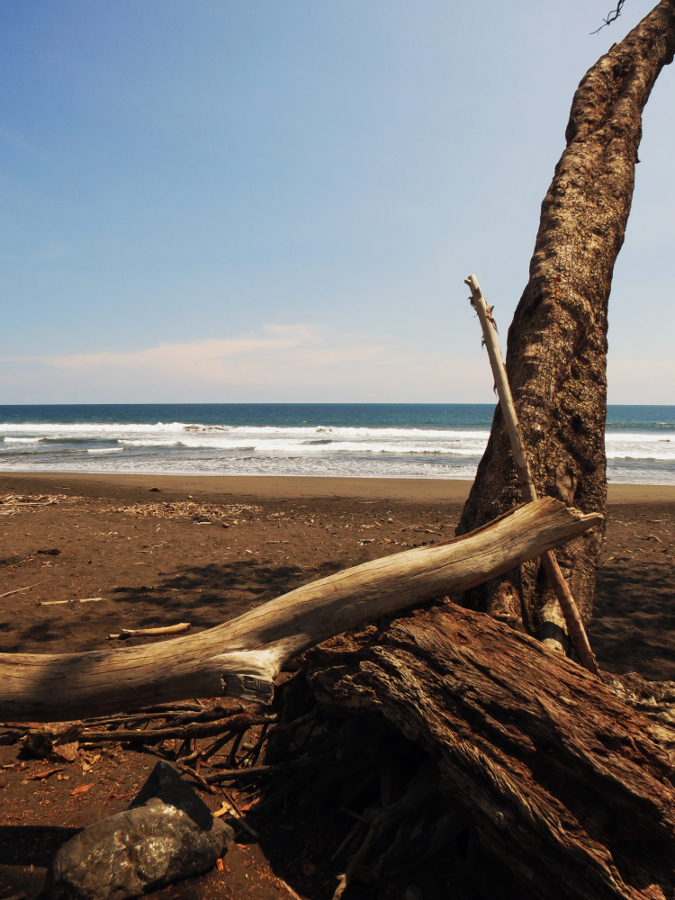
(291, 487)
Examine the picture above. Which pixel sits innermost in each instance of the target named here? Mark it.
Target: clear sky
(279, 200)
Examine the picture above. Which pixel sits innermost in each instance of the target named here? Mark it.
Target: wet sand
(289, 487)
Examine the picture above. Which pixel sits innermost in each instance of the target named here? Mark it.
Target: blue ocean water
(392, 440)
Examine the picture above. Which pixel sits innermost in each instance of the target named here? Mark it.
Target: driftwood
(150, 632)
(564, 597)
(241, 658)
(569, 788)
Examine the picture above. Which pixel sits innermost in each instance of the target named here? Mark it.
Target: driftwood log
(242, 657)
(569, 788)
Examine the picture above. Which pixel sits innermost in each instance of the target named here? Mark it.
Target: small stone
(168, 833)
(66, 752)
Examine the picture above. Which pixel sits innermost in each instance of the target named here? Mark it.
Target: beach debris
(167, 833)
(66, 752)
(11, 503)
(239, 813)
(39, 776)
(163, 629)
(184, 509)
(59, 740)
(81, 789)
(74, 600)
(180, 723)
(20, 590)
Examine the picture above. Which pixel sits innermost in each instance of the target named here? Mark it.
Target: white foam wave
(118, 429)
(386, 452)
(147, 443)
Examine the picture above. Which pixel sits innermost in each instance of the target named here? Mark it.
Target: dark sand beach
(162, 550)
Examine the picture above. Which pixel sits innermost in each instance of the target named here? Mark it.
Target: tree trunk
(569, 788)
(557, 343)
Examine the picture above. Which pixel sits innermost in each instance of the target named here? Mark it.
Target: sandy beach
(290, 487)
(158, 550)
(143, 544)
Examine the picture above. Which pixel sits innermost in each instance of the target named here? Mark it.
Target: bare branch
(612, 17)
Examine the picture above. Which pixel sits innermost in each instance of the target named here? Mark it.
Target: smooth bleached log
(241, 658)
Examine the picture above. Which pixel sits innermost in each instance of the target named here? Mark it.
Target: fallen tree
(569, 789)
(241, 658)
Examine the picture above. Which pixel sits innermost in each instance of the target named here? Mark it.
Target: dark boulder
(168, 833)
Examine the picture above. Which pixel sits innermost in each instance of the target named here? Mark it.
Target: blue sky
(264, 200)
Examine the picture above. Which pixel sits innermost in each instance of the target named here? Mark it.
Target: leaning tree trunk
(557, 343)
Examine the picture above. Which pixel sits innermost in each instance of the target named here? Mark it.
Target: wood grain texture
(570, 794)
(242, 657)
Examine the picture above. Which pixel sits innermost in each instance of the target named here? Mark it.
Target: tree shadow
(203, 595)
(32, 845)
(633, 627)
(216, 593)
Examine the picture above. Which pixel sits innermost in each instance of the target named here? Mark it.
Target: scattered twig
(284, 884)
(235, 722)
(38, 776)
(240, 816)
(183, 768)
(164, 629)
(611, 17)
(19, 590)
(256, 771)
(61, 602)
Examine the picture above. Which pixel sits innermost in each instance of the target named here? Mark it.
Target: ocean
(390, 440)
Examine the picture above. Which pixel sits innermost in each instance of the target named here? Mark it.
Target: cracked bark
(569, 789)
(557, 342)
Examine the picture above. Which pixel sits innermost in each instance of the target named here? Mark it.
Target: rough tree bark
(570, 790)
(557, 343)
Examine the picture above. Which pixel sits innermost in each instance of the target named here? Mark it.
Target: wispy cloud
(283, 362)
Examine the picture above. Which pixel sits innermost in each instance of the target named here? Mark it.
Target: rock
(167, 833)
(66, 752)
